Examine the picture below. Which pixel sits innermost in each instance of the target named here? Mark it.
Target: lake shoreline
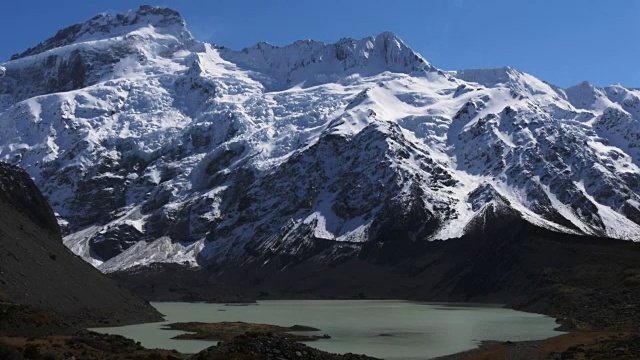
(383, 329)
(590, 344)
(622, 342)
(577, 339)
(524, 267)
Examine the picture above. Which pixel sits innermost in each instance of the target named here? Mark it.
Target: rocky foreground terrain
(259, 346)
(594, 345)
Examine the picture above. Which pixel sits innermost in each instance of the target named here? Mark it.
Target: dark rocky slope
(51, 285)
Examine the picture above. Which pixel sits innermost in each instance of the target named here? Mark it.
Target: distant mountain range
(153, 147)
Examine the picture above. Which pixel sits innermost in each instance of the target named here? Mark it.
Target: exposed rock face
(83, 54)
(104, 26)
(38, 272)
(19, 192)
(153, 147)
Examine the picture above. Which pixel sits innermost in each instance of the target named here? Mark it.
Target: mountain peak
(586, 96)
(313, 62)
(381, 37)
(584, 84)
(106, 25)
(386, 45)
(388, 34)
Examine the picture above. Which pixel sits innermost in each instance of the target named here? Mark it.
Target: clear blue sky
(563, 42)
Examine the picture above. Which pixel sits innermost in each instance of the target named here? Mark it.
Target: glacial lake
(418, 330)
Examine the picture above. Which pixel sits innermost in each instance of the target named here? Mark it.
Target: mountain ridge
(205, 156)
(105, 24)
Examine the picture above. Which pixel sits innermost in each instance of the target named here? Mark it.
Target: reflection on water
(385, 329)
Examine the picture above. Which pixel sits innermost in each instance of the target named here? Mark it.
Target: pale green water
(420, 330)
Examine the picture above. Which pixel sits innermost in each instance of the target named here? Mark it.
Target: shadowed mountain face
(153, 147)
(38, 271)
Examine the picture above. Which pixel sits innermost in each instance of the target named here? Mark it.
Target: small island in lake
(227, 330)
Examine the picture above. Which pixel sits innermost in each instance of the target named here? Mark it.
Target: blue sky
(563, 42)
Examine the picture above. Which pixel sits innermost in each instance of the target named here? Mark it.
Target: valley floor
(41, 335)
(602, 345)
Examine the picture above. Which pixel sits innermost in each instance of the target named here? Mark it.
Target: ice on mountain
(184, 151)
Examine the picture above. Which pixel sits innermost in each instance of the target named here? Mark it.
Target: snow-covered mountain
(152, 146)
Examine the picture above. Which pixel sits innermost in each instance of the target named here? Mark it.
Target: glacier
(154, 147)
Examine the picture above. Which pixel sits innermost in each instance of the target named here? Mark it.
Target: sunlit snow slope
(154, 147)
